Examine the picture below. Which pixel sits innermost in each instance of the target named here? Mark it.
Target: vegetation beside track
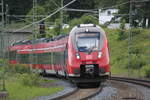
(23, 85)
(140, 50)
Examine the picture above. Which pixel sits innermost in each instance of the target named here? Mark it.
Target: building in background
(105, 16)
(110, 19)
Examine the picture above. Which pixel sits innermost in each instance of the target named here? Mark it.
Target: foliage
(22, 85)
(18, 7)
(137, 62)
(135, 31)
(54, 31)
(18, 68)
(57, 28)
(85, 19)
(30, 79)
(146, 70)
(23, 7)
(39, 10)
(18, 91)
(122, 31)
(105, 3)
(139, 52)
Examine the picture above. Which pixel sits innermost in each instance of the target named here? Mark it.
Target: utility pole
(34, 30)
(2, 40)
(6, 23)
(2, 29)
(61, 16)
(34, 16)
(130, 39)
(7, 11)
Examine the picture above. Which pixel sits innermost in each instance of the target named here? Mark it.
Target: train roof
(87, 27)
(41, 40)
(22, 42)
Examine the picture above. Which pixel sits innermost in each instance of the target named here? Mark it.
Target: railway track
(142, 82)
(88, 93)
(137, 90)
(80, 94)
(84, 93)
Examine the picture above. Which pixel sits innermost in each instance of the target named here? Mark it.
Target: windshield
(87, 41)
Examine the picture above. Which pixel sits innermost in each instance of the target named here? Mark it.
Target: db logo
(89, 57)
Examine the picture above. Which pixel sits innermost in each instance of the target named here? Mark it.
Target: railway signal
(42, 29)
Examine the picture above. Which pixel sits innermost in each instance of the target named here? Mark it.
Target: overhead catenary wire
(55, 3)
(138, 1)
(77, 10)
(46, 17)
(81, 10)
(96, 10)
(114, 6)
(26, 16)
(70, 9)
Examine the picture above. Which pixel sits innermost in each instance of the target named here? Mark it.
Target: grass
(18, 92)
(139, 55)
(27, 86)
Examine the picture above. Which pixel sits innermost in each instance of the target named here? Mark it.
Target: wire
(45, 17)
(55, 3)
(25, 16)
(125, 3)
(116, 5)
(81, 10)
(21, 19)
(93, 11)
(141, 1)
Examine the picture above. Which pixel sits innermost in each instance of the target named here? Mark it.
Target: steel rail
(142, 82)
(81, 94)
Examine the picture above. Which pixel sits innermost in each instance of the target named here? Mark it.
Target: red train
(82, 56)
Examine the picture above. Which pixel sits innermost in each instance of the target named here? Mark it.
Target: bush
(146, 70)
(30, 79)
(18, 68)
(136, 31)
(122, 31)
(85, 19)
(122, 34)
(137, 61)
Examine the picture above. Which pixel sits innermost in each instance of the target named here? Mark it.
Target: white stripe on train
(56, 47)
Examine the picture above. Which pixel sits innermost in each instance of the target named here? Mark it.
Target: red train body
(17, 46)
(83, 56)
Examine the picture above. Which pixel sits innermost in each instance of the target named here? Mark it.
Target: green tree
(104, 3)
(39, 11)
(18, 7)
(85, 19)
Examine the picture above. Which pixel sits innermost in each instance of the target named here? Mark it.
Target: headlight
(78, 56)
(99, 54)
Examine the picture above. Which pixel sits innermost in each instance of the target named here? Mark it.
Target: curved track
(141, 82)
(129, 88)
(86, 92)
(82, 94)
(122, 89)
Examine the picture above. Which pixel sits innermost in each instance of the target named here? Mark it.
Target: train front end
(88, 54)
